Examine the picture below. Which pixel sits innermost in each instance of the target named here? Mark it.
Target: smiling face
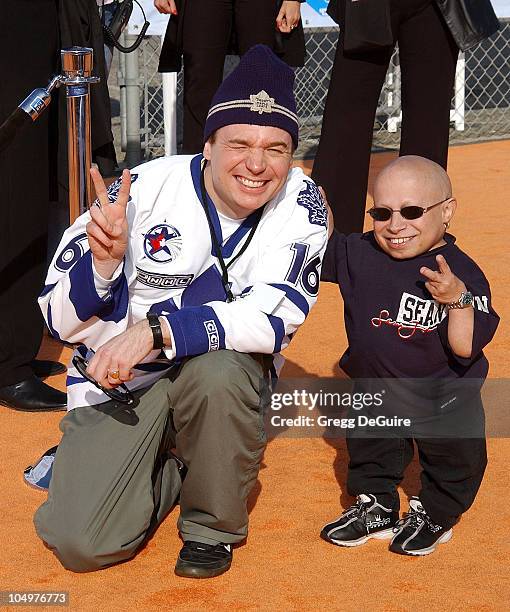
(412, 181)
(247, 165)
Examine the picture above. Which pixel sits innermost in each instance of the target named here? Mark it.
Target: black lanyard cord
(217, 248)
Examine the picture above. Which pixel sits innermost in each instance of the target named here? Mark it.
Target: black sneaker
(416, 533)
(364, 520)
(197, 560)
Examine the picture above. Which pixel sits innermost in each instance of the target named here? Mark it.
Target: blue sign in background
(318, 5)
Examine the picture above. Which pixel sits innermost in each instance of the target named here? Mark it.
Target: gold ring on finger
(115, 374)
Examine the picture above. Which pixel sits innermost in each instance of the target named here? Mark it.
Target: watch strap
(462, 302)
(157, 332)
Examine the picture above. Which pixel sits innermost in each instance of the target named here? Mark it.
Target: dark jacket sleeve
(469, 21)
(291, 47)
(170, 59)
(333, 10)
(486, 319)
(334, 264)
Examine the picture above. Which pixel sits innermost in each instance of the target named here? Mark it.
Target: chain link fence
(480, 104)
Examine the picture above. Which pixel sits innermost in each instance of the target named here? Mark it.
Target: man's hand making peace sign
(107, 230)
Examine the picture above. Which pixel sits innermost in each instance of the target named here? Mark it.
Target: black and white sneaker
(364, 520)
(416, 534)
(198, 560)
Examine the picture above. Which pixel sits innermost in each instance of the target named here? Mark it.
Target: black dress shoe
(43, 368)
(32, 395)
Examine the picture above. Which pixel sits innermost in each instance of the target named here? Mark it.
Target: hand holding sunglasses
(119, 394)
(381, 213)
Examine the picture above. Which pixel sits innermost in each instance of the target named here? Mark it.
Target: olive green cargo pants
(114, 479)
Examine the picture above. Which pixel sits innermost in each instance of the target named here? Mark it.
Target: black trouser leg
(207, 32)
(453, 468)
(452, 473)
(376, 465)
(28, 54)
(343, 157)
(428, 57)
(255, 23)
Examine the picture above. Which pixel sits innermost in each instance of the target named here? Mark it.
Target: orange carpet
(284, 565)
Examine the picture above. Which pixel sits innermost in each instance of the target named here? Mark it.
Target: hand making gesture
(107, 230)
(445, 288)
(443, 285)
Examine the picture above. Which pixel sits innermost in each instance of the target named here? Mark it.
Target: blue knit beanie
(257, 92)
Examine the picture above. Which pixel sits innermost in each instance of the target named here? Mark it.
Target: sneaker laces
(414, 518)
(359, 508)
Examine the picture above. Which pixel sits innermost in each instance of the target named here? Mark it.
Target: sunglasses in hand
(119, 394)
(381, 213)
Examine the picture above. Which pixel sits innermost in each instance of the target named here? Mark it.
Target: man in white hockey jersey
(179, 292)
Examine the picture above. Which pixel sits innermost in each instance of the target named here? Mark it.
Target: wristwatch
(157, 333)
(465, 300)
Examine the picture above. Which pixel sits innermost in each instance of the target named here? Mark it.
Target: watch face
(466, 299)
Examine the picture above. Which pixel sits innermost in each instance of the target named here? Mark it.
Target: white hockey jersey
(171, 269)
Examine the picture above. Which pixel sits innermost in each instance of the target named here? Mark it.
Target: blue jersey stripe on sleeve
(279, 332)
(294, 296)
(87, 302)
(49, 322)
(47, 289)
(165, 306)
(196, 331)
(207, 287)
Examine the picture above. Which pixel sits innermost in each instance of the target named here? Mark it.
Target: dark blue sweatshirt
(394, 327)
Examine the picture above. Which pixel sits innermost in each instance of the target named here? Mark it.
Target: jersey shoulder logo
(162, 243)
(310, 197)
(113, 190)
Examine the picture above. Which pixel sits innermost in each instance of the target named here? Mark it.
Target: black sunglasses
(381, 213)
(119, 394)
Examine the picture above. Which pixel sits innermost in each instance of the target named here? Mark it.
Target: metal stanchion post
(121, 77)
(77, 65)
(133, 146)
